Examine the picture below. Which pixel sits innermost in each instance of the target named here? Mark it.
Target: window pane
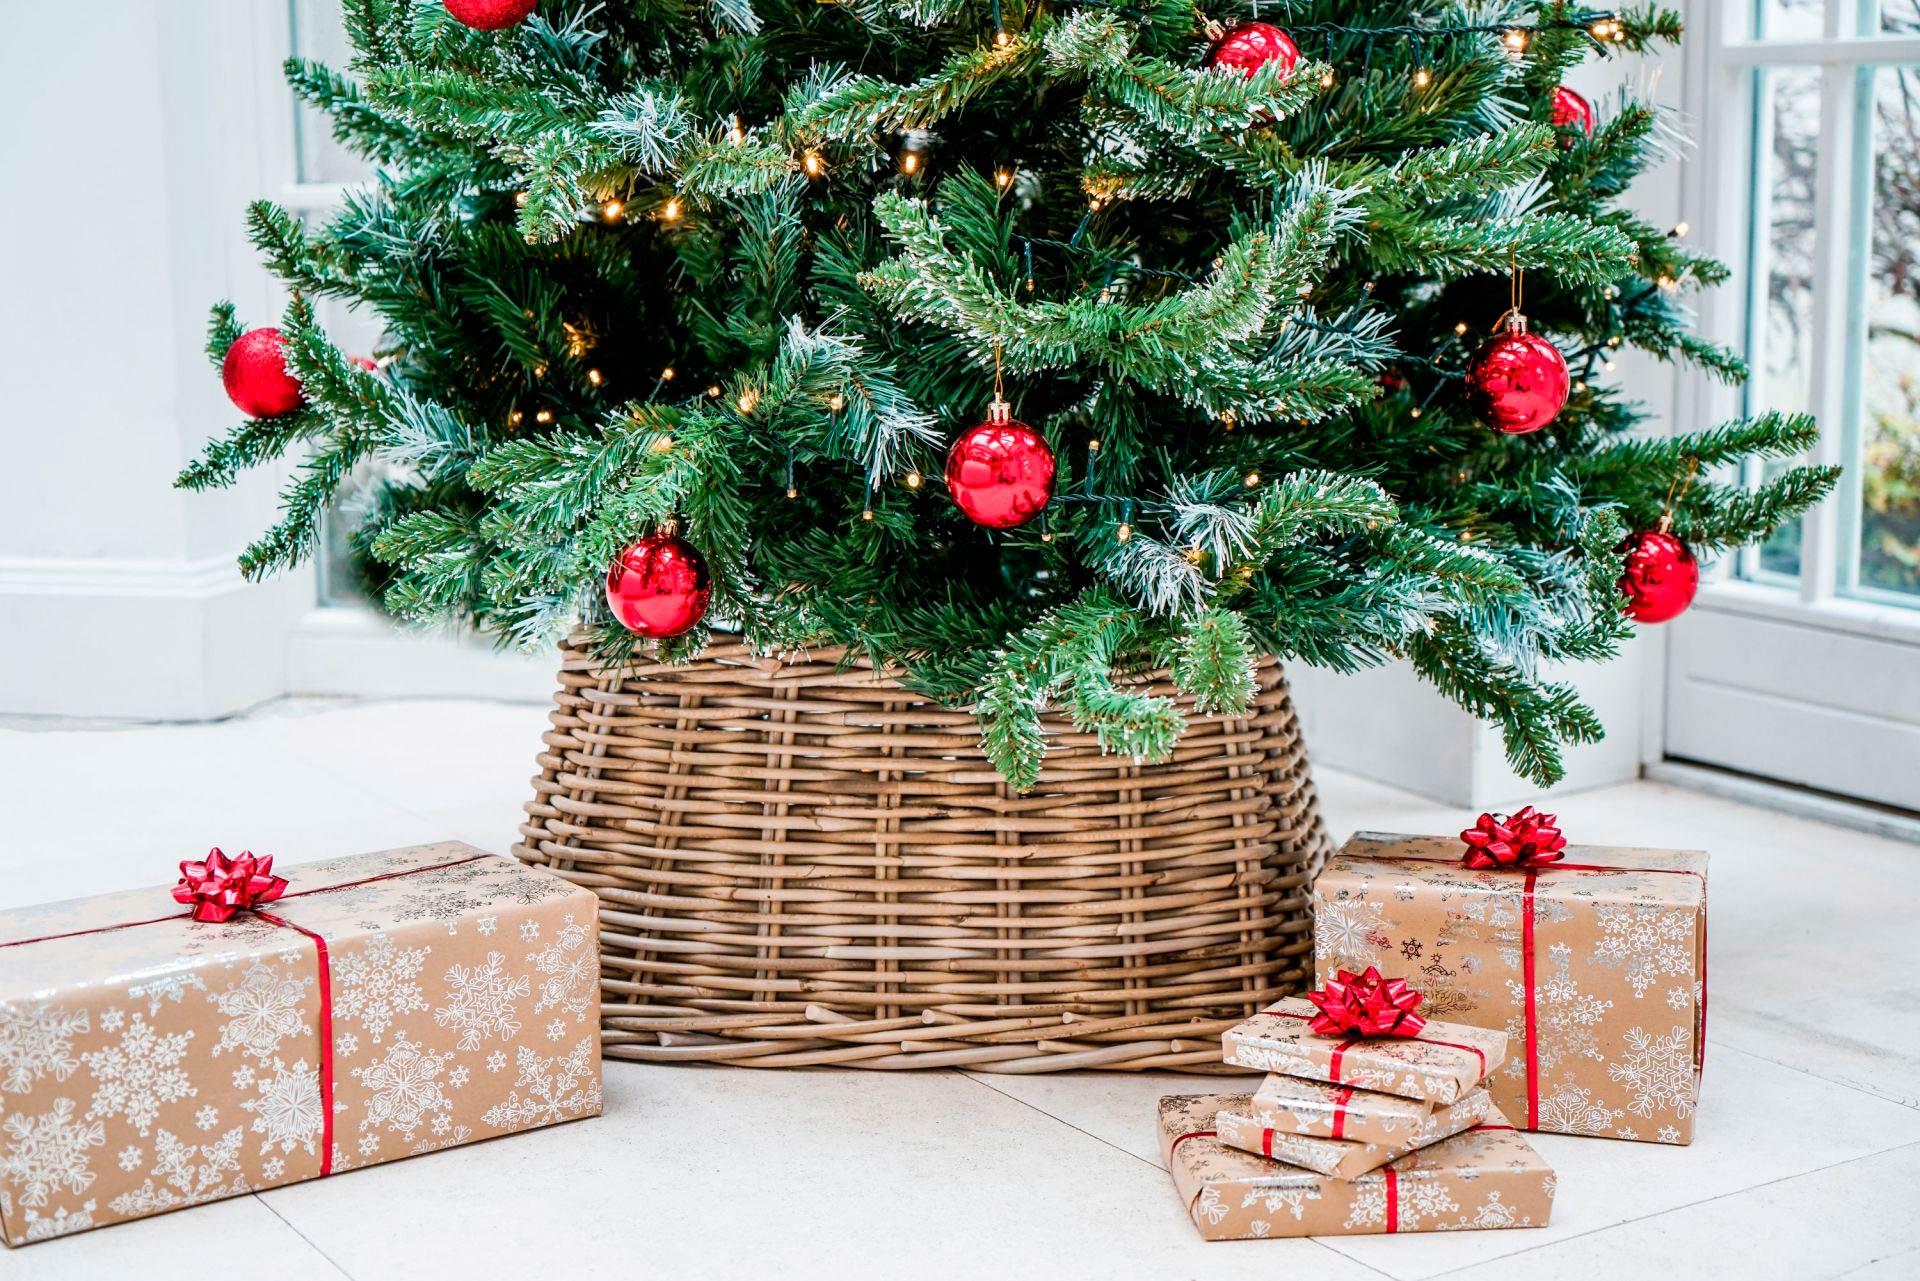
(1791, 19)
(319, 34)
(1781, 334)
(1901, 17)
(1889, 465)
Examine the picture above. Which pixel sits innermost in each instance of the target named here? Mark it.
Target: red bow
(1366, 1005)
(1526, 838)
(220, 886)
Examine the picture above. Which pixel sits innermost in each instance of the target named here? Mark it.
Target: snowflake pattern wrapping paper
(1485, 1177)
(1316, 1109)
(1596, 969)
(170, 1062)
(1441, 1065)
(1346, 1158)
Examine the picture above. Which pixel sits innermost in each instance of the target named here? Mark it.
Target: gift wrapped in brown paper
(1439, 1065)
(1595, 965)
(377, 1006)
(1484, 1177)
(1346, 1158)
(1292, 1105)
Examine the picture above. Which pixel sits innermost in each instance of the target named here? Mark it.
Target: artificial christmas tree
(748, 269)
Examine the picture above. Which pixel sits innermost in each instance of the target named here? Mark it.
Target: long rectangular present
(1596, 967)
(1485, 1177)
(1346, 1158)
(386, 1004)
(1440, 1065)
(1293, 1105)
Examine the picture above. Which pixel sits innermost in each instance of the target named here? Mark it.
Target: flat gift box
(1291, 1105)
(150, 1062)
(1486, 1177)
(1346, 1158)
(1596, 967)
(1440, 1065)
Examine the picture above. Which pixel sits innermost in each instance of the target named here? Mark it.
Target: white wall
(130, 148)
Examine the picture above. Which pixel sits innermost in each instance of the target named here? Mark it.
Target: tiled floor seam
(330, 1260)
(1913, 1255)
(1660, 1213)
(1855, 1086)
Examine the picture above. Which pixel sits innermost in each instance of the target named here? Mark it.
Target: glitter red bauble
(1661, 577)
(1569, 108)
(1001, 472)
(1517, 381)
(659, 587)
(256, 378)
(490, 15)
(1251, 46)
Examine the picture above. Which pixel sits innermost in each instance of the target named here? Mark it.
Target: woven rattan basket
(801, 863)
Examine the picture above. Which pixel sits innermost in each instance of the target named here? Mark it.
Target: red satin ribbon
(324, 962)
(1333, 1061)
(1393, 1200)
(1341, 1097)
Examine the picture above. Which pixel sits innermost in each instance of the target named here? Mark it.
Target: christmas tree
(1029, 344)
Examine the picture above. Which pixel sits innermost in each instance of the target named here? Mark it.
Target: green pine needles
(745, 267)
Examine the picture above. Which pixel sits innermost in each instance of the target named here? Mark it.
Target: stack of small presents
(1371, 1119)
(1558, 988)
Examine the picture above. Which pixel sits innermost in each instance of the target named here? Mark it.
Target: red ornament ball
(1517, 381)
(1661, 577)
(1001, 472)
(256, 378)
(1252, 45)
(1570, 109)
(659, 587)
(367, 363)
(490, 15)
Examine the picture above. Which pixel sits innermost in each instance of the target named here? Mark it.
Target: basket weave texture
(800, 862)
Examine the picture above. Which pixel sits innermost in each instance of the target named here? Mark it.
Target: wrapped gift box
(1485, 1177)
(1291, 1105)
(1440, 1065)
(1346, 1158)
(1595, 966)
(432, 996)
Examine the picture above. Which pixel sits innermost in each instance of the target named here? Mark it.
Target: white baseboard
(353, 652)
(1880, 821)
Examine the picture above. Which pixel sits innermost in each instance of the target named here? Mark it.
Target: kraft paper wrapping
(171, 1063)
(1346, 1158)
(1486, 1177)
(1290, 1105)
(1607, 1039)
(1440, 1065)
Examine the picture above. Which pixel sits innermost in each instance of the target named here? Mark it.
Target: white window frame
(1719, 185)
(1814, 618)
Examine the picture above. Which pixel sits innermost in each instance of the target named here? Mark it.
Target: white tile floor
(1806, 1164)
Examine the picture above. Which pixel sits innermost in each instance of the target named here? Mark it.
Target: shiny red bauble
(1251, 46)
(1517, 381)
(1001, 472)
(659, 587)
(490, 15)
(1570, 109)
(256, 378)
(1661, 577)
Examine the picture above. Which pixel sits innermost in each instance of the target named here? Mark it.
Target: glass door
(1801, 663)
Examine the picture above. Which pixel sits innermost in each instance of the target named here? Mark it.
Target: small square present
(1290, 1105)
(1594, 964)
(1346, 1158)
(1485, 1177)
(155, 1057)
(1439, 1065)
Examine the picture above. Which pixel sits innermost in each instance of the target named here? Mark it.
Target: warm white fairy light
(813, 163)
(1422, 78)
(595, 377)
(670, 211)
(543, 417)
(612, 210)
